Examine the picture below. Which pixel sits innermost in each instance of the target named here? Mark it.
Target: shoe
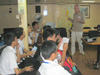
(82, 53)
(72, 54)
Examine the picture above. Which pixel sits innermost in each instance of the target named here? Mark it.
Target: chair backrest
(98, 27)
(86, 28)
(63, 32)
(93, 33)
(95, 27)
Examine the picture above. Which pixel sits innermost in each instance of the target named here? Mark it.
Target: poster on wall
(63, 13)
(86, 10)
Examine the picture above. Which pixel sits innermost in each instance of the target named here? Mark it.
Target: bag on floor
(69, 66)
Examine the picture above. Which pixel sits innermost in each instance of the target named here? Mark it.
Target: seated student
(49, 53)
(19, 32)
(35, 30)
(31, 40)
(10, 56)
(46, 27)
(50, 34)
(62, 45)
(28, 61)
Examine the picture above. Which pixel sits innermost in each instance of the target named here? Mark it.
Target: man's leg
(73, 38)
(79, 38)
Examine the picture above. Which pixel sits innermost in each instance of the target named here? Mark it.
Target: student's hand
(17, 46)
(78, 20)
(65, 46)
(74, 64)
(30, 53)
(29, 68)
(34, 35)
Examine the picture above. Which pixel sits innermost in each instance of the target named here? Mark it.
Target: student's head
(19, 32)
(49, 50)
(35, 25)
(77, 8)
(49, 34)
(57, 32)
(29, 28)
(10, 39)
(46, 27)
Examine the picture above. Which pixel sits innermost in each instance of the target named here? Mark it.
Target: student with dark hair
(65, 56)
(31, 41)
(9, 57)
(35, 24)
(46, 27)
(49, 34)
(28, 61)
(49, 53)
(35, 30)
(19, 32)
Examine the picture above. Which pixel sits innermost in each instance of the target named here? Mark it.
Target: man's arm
(82, 22)
(29, 53)
(18, 55)
(83, 19)
(19, 71)
(65, 47)
(71, 20)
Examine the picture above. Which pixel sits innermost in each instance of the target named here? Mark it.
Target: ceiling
(14, 2)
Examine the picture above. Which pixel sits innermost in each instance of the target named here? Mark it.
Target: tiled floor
(83, 61)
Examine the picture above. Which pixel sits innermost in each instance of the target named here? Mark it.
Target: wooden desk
(87, 30)
(84, 30)
(97, 42)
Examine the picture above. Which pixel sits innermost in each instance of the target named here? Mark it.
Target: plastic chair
(95, 27)
(86, 28)
(63, 32)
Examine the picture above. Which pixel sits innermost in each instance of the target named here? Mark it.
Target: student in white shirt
(51, 34)
(9, 57)
(49, 67)
(35, 30)
(19, 32)
(28, 61)
(31, 41)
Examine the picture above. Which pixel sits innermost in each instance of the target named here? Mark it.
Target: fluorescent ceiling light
(88, 1)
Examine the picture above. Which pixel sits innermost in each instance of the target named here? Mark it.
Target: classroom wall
(94, 19)
(8, 20)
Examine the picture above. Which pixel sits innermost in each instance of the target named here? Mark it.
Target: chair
(95, 27)
(63, 32)
(86, 34)
(86, 28)
(98, 27)
(98, 30)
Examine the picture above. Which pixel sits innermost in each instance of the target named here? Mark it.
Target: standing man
(77, 29)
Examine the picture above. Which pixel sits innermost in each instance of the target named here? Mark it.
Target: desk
(84, 31)
(97, 42)
(87, 30)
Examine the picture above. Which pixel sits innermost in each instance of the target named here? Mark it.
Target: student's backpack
(69, 66)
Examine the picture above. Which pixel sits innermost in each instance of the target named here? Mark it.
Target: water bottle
(59, 58)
